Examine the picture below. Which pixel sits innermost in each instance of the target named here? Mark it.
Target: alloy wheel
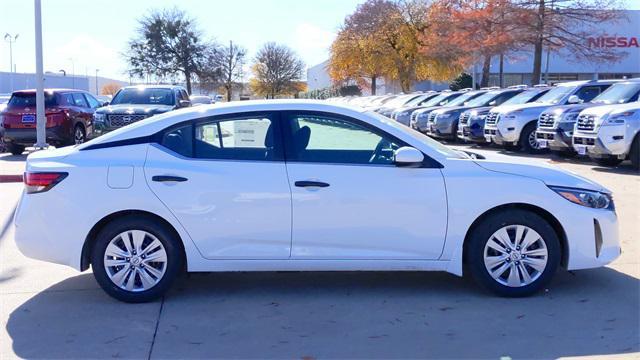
(135, 260)
(78, 136)
(532, 141)
(515, 255)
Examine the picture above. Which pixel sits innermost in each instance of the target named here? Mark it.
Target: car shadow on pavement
(8, 157)
(334, 315)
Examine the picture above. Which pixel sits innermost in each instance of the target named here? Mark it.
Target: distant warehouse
(623, 35)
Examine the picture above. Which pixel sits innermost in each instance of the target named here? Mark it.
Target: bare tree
(566, 25)
(230, 60)
(277, 70)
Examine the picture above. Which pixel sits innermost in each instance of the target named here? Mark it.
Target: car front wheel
(136, 260)
(513, 253)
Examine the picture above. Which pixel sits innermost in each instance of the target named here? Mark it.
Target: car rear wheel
(79, 135)
(513, 253)
(15, 149)
(136, 259)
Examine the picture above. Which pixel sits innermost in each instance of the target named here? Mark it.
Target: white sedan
(302, 186)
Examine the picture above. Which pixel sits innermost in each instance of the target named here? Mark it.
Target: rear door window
(79, 100)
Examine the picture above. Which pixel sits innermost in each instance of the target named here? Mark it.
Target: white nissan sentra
(302, 186)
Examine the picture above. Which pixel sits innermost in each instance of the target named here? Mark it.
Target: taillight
(35, 182)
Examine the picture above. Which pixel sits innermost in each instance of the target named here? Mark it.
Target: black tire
(608, 161)
(174, 265)
(634, 155)
(79, 135)
(475, 250)
(525, 142)
(15, 149)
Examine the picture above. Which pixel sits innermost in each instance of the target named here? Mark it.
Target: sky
(80, 36)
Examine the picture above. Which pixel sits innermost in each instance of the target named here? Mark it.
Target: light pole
(41, 120)
(10, 39)
(73, 73)
(97, 82)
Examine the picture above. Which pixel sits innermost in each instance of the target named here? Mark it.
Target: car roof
(588, 82)
(157, 123)
(54, 90)
(158, 86)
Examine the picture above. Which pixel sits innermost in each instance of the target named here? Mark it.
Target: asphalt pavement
(51, 311)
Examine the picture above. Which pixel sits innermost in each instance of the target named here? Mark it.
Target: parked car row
(598, 118)
(73, 116)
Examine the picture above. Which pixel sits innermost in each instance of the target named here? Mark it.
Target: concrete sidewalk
(50, 311)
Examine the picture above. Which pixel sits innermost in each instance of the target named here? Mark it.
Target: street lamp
(97, 82)
(10, 39)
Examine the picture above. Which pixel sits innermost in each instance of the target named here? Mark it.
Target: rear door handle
(311, 184)
(167, 178)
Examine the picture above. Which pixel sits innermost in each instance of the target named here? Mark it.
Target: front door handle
(311, 184)
(167, 178)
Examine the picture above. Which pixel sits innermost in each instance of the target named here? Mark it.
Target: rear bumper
(27, 137)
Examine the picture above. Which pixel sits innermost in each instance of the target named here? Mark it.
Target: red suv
(69, 116)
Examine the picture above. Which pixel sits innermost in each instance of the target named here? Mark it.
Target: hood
(483, 110)
(602, 110)
(547, 173)
(134, 109)
(529, 107)
(427, 109)
(561, 109)
(449, 109)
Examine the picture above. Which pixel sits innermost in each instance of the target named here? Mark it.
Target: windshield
(618, 94)
(436, 145)
(555, 95)
(145, 96)
(419, 99)
(399, 101)
(522, 98)
(460, 100)
(484, 99)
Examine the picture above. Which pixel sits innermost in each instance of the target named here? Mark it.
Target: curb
(10, 179)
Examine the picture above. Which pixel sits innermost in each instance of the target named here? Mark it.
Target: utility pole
(41, 120)
(97, 82)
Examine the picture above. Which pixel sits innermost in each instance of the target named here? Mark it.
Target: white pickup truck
(609, 134)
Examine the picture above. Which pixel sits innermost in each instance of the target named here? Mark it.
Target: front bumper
(559, 139)
(504, 132)
(443, 127)
(472, 131)
(404, 119)
(609, 141)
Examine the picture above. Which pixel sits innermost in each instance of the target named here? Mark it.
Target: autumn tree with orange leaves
(487, 28)
(384, 38)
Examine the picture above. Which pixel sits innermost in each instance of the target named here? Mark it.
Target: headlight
(512, 115)
(588, 198)
(444, 116)
(618, 119)
(99, 117)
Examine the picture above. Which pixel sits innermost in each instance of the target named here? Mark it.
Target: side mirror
(408, 156)
(493, 103)
(184, 103)
(574, 99)
(106, 103)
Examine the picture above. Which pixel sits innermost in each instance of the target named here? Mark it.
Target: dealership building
(12, 81)
(622, 35)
